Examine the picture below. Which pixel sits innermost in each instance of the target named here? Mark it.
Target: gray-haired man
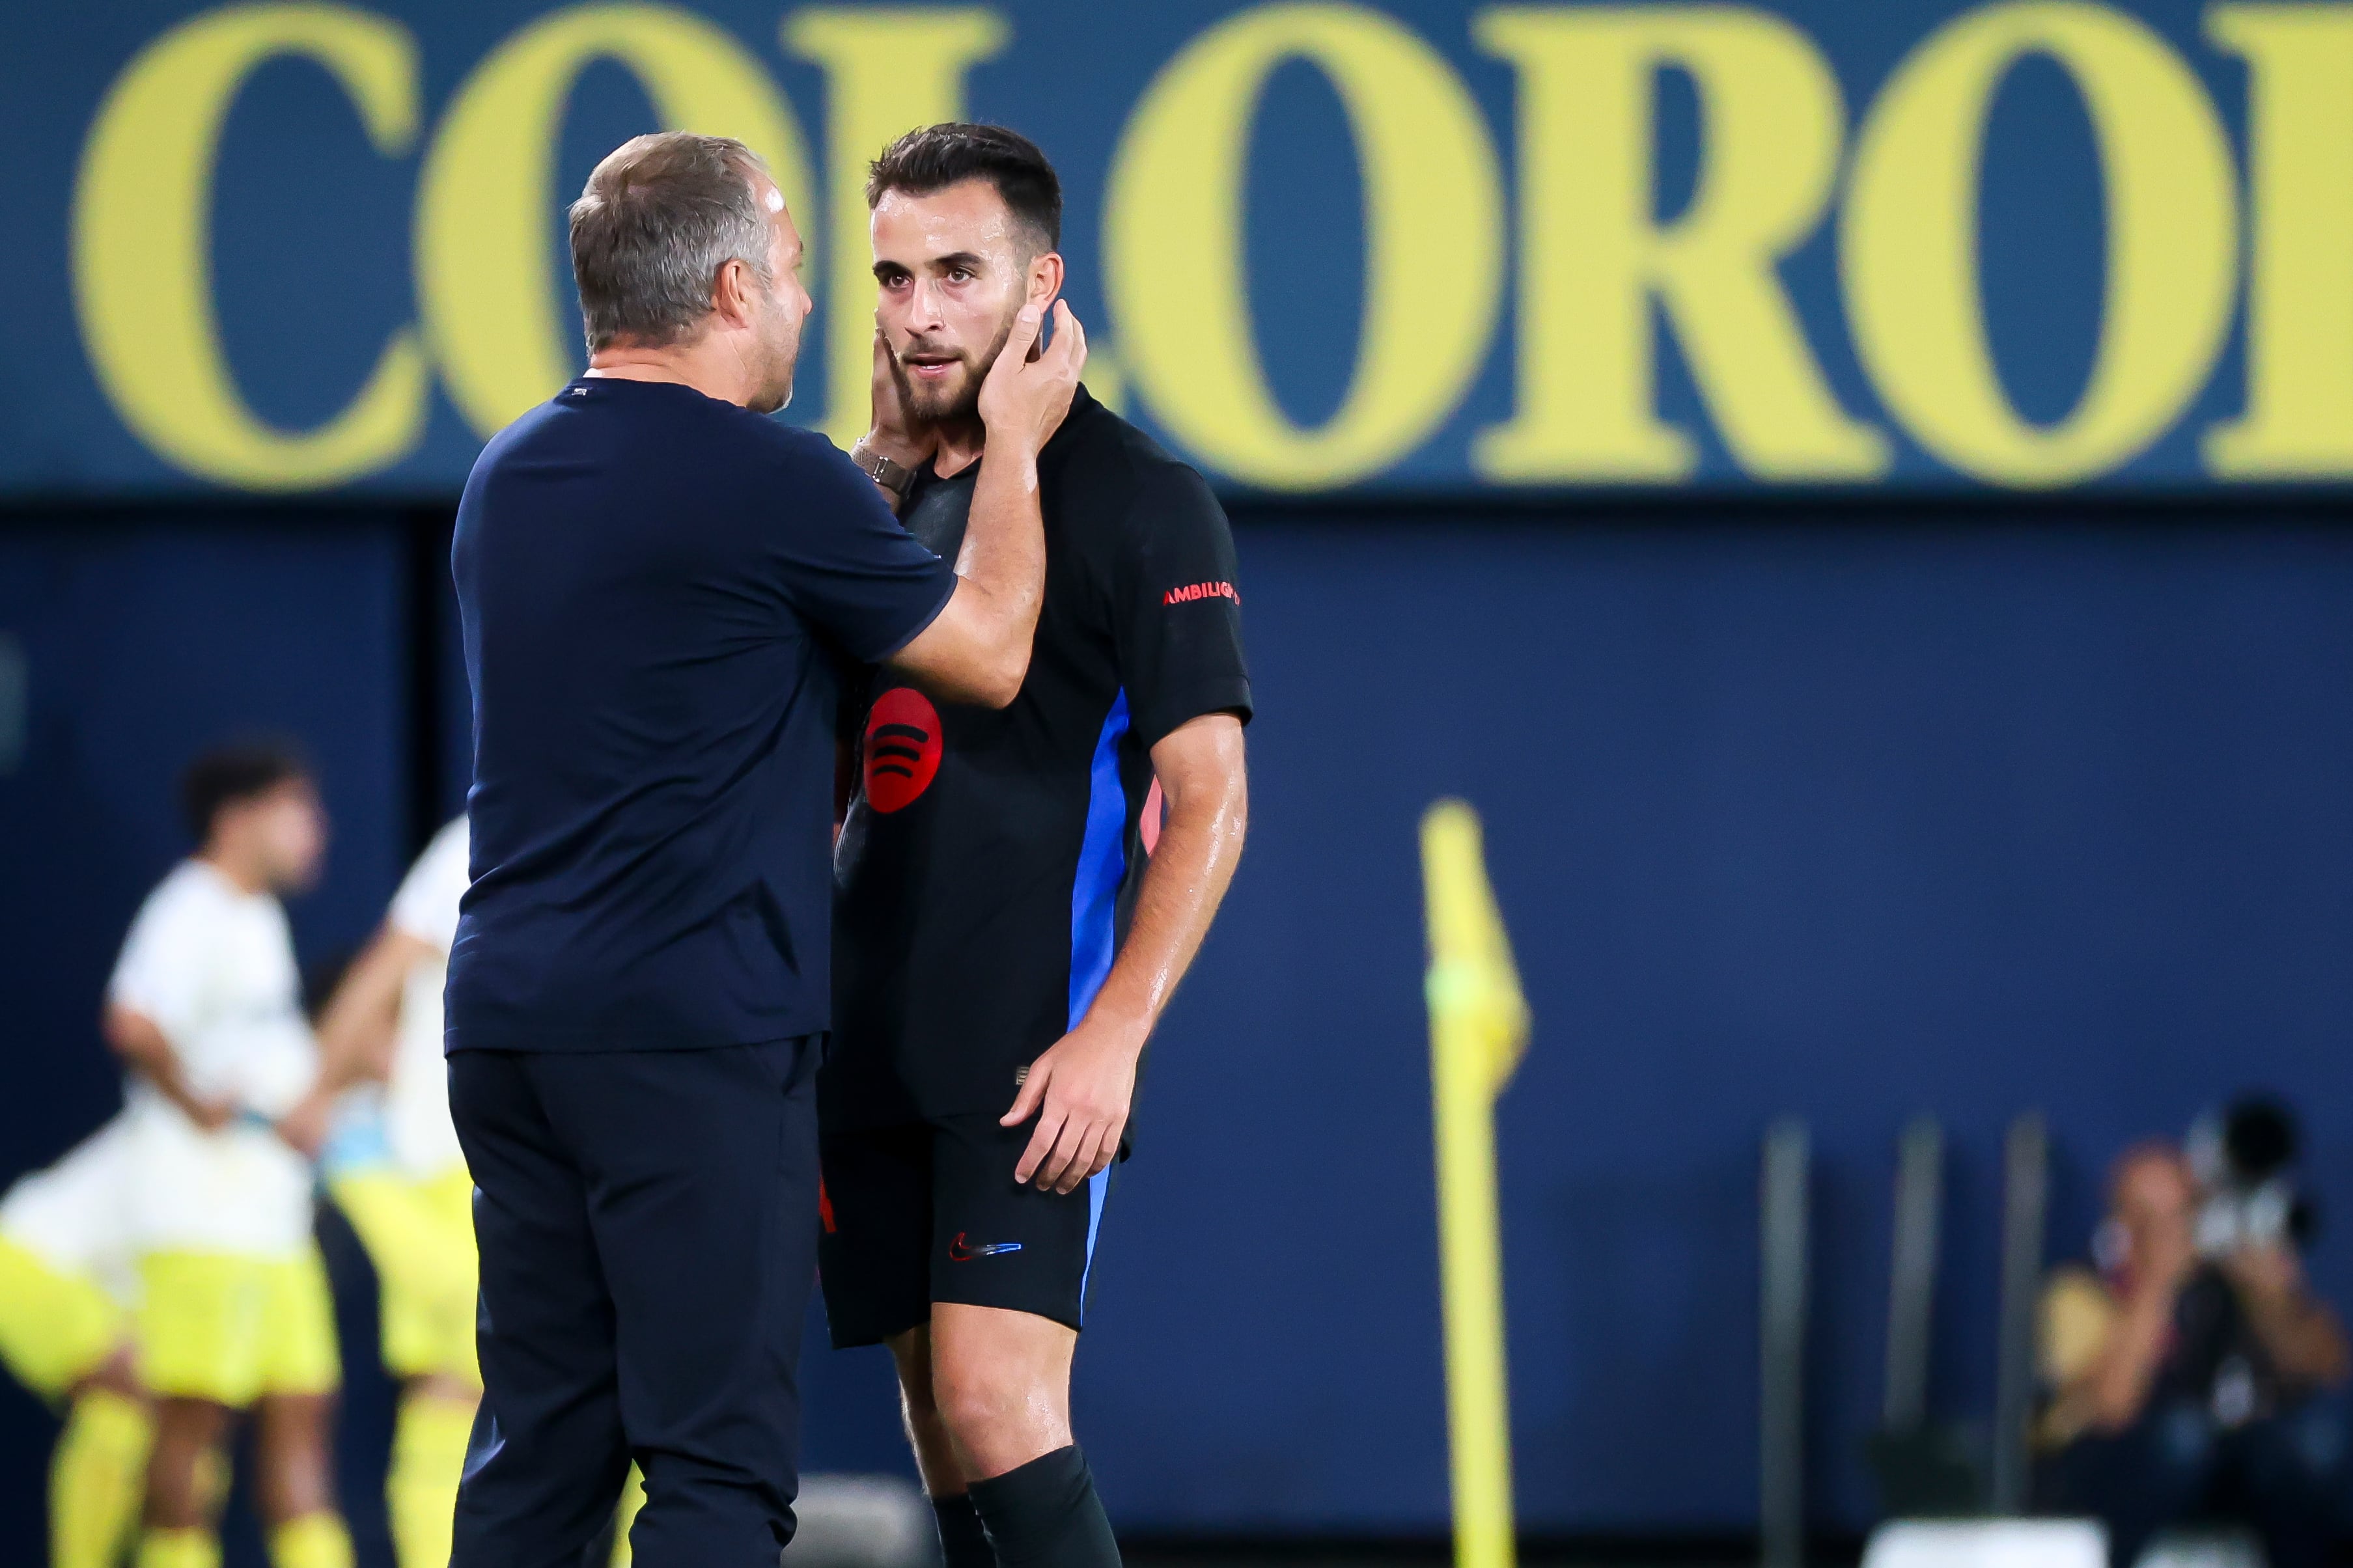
(655, 583)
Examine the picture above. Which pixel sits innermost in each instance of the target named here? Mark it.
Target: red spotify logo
(902, 748)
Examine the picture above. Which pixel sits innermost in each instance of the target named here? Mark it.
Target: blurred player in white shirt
(68, 1279)
(206, 1009)
(394, 1168)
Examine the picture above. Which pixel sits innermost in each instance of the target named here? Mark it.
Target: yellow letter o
(1433, 235)
(1908, 242)
(143, 247)
(485, 261)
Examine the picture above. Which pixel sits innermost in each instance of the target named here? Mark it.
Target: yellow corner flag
(1478, 1030)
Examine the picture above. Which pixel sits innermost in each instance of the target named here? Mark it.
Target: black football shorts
(929, 1211)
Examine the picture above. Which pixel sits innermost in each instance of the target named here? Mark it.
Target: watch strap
(894, 477)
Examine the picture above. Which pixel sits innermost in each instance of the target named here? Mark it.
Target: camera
(2245, 1156)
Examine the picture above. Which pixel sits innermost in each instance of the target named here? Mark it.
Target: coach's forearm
(1193, 865)
(1003, 560)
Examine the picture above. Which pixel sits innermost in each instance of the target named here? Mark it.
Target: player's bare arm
(139, 1040)
(978, 649)
(1080, 1089)
(356, 1032)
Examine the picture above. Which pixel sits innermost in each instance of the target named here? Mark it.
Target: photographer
(2183, 1386)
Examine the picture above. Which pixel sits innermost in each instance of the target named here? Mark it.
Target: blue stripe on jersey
(1095, 901)
(1103, 863)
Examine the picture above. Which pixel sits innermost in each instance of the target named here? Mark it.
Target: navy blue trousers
(648, 1223)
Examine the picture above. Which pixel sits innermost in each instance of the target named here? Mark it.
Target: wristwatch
(892, 476)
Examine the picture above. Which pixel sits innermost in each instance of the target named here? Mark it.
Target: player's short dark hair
(937, 156)
(232, 774)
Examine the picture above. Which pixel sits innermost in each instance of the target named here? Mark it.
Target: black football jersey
(988, 858)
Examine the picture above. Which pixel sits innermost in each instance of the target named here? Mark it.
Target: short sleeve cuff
(1172, 710)
(897, 644)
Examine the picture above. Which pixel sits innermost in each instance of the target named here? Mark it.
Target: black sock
(963, 1543)
(1045, 1514)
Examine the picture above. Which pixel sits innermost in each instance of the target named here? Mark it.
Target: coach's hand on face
(893, 430)
(1079, 1091)
(1028, 389)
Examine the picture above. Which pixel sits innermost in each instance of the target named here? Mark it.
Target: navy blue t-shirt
(656, 589)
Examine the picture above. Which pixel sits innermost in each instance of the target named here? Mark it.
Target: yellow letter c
(142, 245)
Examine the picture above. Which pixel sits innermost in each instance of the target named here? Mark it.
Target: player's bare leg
(185, 1484)
(927, 1433)
(988, 1412)
(186, 1431)
(963, 1542)
(1002, 1383)
(295, 1489)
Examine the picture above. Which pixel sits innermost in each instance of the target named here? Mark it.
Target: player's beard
(959, 403)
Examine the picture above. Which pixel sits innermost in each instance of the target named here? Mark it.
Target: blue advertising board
(1423, 248)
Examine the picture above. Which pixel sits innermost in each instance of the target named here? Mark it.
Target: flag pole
(1478, 1030)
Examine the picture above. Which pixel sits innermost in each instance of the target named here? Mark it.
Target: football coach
(656, 583)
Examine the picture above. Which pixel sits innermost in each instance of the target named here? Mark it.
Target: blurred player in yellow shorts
(67, 1281)
(233, 1315)
(393, 1167)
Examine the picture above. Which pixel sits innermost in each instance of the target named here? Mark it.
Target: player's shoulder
(191, 892)
(1099, 461)
(185, 913)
